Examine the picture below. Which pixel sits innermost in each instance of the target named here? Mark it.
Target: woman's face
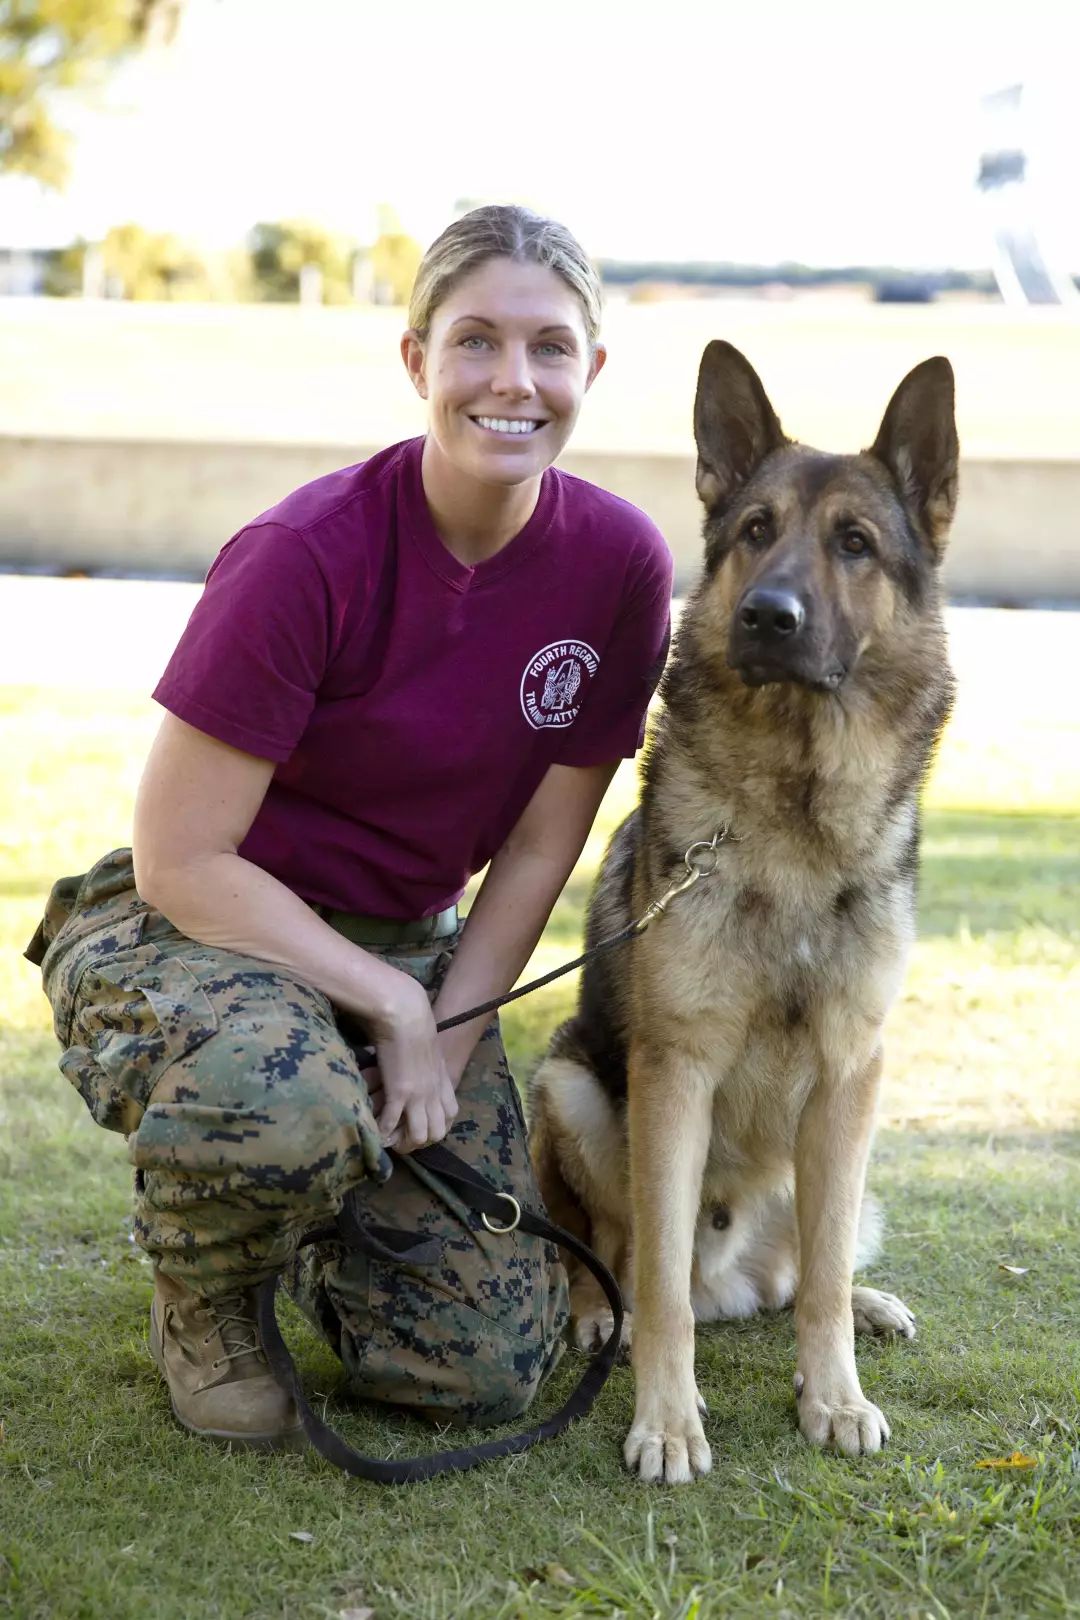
(504, 370)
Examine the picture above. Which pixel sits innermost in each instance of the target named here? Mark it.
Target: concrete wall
(146, 507)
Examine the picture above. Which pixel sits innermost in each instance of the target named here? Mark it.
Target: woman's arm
(522, 883)
(197, 799)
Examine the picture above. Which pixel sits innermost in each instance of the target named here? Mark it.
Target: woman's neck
(473, 520)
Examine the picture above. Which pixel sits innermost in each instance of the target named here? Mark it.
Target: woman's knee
(418, 1340)
(265, 1115)
(476, 1374)
(502, 1378)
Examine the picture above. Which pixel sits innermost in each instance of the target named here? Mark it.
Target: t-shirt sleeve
(611, 724)
(253, 654)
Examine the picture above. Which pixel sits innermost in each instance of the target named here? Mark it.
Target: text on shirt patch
(555, 682)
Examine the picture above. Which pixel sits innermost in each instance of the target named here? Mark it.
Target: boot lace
(233, 1315)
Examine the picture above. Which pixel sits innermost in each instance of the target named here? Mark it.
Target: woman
(404, 671)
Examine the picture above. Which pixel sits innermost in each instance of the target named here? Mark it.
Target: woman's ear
(596, 364)
(412, 352)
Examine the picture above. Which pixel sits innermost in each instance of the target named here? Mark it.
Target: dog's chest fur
(787, 958)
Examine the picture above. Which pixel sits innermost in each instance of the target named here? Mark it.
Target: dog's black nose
(770, 614)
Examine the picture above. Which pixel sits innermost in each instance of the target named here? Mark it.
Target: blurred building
(1023, 263)
(23, 271)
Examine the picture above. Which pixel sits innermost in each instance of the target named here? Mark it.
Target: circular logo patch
(555, 682)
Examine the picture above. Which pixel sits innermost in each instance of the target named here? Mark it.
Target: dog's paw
(884, 1314)
(592, 1330)
(668, 1447)
(849, 1422)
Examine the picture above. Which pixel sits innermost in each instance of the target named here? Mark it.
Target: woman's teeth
(504, 424)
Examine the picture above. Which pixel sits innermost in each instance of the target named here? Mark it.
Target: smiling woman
(404, 672)
(503, 343)
(504, 368)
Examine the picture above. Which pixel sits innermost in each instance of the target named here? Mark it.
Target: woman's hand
(411, 1092)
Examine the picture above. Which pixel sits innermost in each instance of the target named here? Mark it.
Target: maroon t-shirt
(413, 704)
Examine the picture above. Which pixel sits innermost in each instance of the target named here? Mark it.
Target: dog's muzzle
(770, 641)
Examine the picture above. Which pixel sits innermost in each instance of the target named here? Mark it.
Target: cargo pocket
(138, 1011)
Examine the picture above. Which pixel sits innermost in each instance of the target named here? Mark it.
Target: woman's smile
(508, 427)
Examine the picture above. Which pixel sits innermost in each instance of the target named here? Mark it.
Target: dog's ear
(917, 442)
(734, 424)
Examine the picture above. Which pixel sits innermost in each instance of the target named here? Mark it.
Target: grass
(106, 1509)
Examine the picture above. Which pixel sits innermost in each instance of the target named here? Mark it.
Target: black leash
(500, 1212)
(547, 978)
(383, 1242)
(387, 1243)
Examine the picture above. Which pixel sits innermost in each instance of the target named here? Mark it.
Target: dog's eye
(757, 531)
(854, 542)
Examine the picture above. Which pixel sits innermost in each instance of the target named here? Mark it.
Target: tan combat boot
(210, 1354)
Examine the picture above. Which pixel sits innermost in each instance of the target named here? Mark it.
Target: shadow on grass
(995, 873)
(980, 872)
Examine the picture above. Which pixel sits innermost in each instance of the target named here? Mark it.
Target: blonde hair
(509, 232)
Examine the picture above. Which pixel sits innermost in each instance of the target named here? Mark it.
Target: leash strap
(547, 978)
(397, 1246)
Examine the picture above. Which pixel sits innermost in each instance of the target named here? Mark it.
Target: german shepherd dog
(705, 1116)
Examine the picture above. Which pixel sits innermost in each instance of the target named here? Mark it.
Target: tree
(280, 250)
(51, 46)
(147, 265)
(395, 259)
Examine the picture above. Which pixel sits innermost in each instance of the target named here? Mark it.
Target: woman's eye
(473, 342)
(855, 543)
(549, 349)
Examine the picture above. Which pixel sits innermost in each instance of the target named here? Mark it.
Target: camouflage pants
(248, 1123)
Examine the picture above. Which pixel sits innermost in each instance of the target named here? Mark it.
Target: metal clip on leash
(700, 861)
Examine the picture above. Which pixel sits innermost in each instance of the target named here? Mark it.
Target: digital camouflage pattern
(248, 1123)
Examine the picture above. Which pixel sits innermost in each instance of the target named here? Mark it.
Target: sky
(826, 131)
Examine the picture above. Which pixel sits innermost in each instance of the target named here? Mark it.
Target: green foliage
(145, 265)
(149, 265)
(51, 46)
(280, 250)
(395, 259)
(64, 271)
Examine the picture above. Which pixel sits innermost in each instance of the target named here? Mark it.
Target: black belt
(365, 930)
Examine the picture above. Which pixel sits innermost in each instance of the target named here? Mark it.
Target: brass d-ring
(515, 1206)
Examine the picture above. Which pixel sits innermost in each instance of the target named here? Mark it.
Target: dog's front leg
(830, 1167)
(670, 1106)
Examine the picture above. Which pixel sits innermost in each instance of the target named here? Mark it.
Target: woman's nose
(513, 374)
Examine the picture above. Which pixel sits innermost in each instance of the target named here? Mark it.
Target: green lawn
(107, 1509)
